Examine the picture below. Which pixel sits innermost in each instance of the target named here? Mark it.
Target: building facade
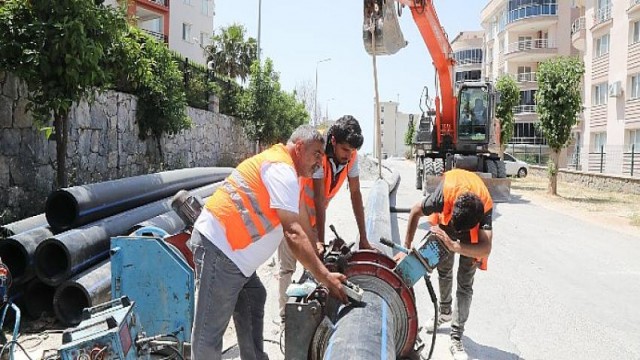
(519, 34)
(607, 33)
(394, 126)
(185, 25)
(467, 51)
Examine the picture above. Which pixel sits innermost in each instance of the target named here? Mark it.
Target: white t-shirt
(354, 169)
(282, 184)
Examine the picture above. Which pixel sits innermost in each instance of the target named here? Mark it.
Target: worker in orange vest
(340, 162)
(460, 211)
(241, 227)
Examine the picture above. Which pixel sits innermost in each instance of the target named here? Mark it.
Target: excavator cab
(381, 26)
(475, 123)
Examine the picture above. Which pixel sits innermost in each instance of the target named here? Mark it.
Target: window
(602, 45)
(508, 157)
(600, 94)
(633, 140)
(635, 86)
(525, 74)
(188, 2)
(635, 32)
(599, 141)
(205, 7)
(603, 11)
(524, 42)
(471, 56)
(186, 32)
(203, 38)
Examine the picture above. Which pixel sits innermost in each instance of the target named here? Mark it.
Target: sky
(298, 34)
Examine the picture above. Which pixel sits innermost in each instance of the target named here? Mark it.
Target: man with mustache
(340, 161)
(241, 226)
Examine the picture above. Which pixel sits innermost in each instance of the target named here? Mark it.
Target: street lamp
(315, 102)
(326, 113)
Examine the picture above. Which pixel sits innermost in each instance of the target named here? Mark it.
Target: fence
(200, 83)
(532, 154)
(618, 160)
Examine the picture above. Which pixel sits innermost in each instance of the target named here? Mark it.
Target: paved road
(557, 287)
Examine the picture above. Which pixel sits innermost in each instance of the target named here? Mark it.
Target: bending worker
(459, 211)
(340, 161)
(240, 229)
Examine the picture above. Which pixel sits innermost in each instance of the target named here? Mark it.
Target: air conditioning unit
(615, 89)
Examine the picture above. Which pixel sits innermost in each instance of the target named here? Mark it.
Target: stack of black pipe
(59, 259)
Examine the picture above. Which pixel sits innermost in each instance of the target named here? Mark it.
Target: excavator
(460, 130)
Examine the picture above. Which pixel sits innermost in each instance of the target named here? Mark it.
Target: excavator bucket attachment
(499, 188)
(382, 16)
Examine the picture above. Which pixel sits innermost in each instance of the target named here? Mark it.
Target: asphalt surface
(557, 287)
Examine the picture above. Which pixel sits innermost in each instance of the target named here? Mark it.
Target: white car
(515, 167)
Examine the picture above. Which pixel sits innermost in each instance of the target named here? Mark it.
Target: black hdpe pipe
(84, 290)
(18, 252)
(374, 326)
(38, 298)
(22, 225)
(80, 205)
(70, 252)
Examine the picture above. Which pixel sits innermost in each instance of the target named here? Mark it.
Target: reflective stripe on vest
(242, 204)
(456, 183)
(306, 185)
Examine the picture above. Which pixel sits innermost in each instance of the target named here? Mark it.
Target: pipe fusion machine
(153, 300)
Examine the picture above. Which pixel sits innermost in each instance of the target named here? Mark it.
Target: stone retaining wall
(596, 181)
(103, 145)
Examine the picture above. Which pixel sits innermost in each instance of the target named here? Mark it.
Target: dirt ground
(619, 210)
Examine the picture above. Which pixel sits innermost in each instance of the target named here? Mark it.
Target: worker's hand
(399, 256)
(453, 246)
(319, 248)
(334, 282)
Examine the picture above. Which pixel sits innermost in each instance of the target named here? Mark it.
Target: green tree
(150, 69)
(509, 98)
(408, 136)
(57, 48)
(230, 53)
(269, 114)
(558, 103)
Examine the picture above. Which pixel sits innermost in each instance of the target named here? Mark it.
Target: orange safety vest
(306, 186)
(456, 183)
(242, 204)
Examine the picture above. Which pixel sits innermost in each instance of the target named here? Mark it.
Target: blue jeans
(464, 292)
(222, 290)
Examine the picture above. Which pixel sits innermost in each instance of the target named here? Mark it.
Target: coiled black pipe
(71, 252)
(22, 225)
(18, 252)
(83, 290)
(80, 205)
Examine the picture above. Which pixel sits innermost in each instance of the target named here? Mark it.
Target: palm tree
(230, 53)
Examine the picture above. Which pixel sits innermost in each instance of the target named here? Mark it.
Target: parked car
(515, 167)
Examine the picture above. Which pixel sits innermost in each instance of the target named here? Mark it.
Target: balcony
(539, 13)
(579, 33)
(533, 50)
(524, 109)
(526, 77)
(163, 3)
(602, 15)
(633, 6)
(158, 36)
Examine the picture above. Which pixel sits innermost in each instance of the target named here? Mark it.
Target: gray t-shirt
(354, 170)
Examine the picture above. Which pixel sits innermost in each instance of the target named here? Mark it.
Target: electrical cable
(6, 346)
(434, 300)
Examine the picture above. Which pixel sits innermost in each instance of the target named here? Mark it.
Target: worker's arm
(308, 229)
(479, 250)
(431, 204)
(320, 203)
(304, 252)
(358, 210)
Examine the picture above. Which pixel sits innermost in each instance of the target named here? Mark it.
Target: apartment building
(607, 34)
(467, 51)
(185, 25)
(519, 34)
(394, 126)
